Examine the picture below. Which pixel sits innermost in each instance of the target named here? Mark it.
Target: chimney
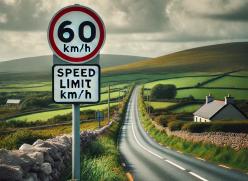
(229, 99)
(209, 98)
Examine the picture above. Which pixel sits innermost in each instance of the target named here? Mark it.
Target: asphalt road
(148, 161)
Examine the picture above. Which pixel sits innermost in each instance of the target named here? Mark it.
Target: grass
(100, 160)
(44, 116)
(179, 82)
(217, 93)
(228, 81)
(241, 73)
(219, 155)
(187, 108)
(160, 105)
(202, 59)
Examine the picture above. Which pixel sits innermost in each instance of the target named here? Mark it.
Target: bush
(218, 126)
(163, 91)
(161, 120)
(196, 127)
(175, 125)
(14, 141)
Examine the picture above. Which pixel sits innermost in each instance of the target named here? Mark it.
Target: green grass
(113, 95)
(160, 105)
(187, 108)
(241, 73)
(101, 159)
(219, 155)
(179, 82)
(228, 81)
(44, 116)
(217, 93)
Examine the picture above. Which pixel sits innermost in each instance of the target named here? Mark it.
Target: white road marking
(224, 166)
(174, 164)
(146, 149)
(198, 176)
(179, 152)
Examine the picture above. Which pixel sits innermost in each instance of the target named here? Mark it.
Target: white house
(214, 110)
(13, 102)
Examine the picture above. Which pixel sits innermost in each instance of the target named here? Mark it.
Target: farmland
(44, 116)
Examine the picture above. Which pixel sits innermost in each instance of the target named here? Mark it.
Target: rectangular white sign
(76, 83)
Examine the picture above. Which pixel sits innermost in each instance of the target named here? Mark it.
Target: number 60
(62, 29)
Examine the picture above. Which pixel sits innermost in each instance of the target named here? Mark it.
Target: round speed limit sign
(76, 34)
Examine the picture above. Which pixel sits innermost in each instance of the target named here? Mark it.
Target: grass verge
(219, 155)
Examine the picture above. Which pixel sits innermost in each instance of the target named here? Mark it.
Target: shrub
(14, 141)
(196, 127)
(163, 91)
(161, 120)
(218, 126)
(175, 125)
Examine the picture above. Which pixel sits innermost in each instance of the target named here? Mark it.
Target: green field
(217, 93)
(228, 81)
(160, 105)
(44, 116)
(241, 73)
(187, 108)
(179, 82)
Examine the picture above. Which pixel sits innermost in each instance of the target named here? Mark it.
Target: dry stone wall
(43, 160)
(236, 141)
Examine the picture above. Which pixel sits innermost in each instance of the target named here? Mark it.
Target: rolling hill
(221, 57)
(43, 64)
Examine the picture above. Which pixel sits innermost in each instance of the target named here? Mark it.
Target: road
(148, 161)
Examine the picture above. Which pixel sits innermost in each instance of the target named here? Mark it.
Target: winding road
(149, 161)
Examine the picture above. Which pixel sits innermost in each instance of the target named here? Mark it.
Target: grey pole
(108, 103)
(76, 142)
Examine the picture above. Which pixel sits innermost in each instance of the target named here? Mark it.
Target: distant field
(44, 116)
(187, 108)
(217, 93)
(179, 82)
(160, 105)
(228, 81)
(241, 73)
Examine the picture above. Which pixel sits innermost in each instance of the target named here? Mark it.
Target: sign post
(76, 34)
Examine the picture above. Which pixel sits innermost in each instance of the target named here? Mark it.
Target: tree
(163, 91)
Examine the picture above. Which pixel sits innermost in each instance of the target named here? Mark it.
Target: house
(13, 102)
(214, 110)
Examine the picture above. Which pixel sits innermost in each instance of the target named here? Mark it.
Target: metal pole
(109, 103)
(76, 142)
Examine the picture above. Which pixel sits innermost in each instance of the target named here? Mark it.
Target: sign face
(76, 83)
(76, 34)
(99, 116)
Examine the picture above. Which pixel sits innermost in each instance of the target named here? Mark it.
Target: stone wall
(236, 141)
(43, 160)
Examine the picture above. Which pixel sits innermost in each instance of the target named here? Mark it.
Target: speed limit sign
(76, 34)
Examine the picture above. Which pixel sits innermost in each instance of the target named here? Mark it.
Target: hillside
(43, 64)
(221, 57)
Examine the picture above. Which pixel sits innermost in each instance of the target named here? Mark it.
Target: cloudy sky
(134, 27)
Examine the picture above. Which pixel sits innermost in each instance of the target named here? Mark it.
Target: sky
(147, 28)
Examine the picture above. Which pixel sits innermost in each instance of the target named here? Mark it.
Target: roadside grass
(212, 153)
(16, 139)
(101, 159)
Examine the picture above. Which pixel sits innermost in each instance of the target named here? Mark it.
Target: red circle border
(84, 10)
